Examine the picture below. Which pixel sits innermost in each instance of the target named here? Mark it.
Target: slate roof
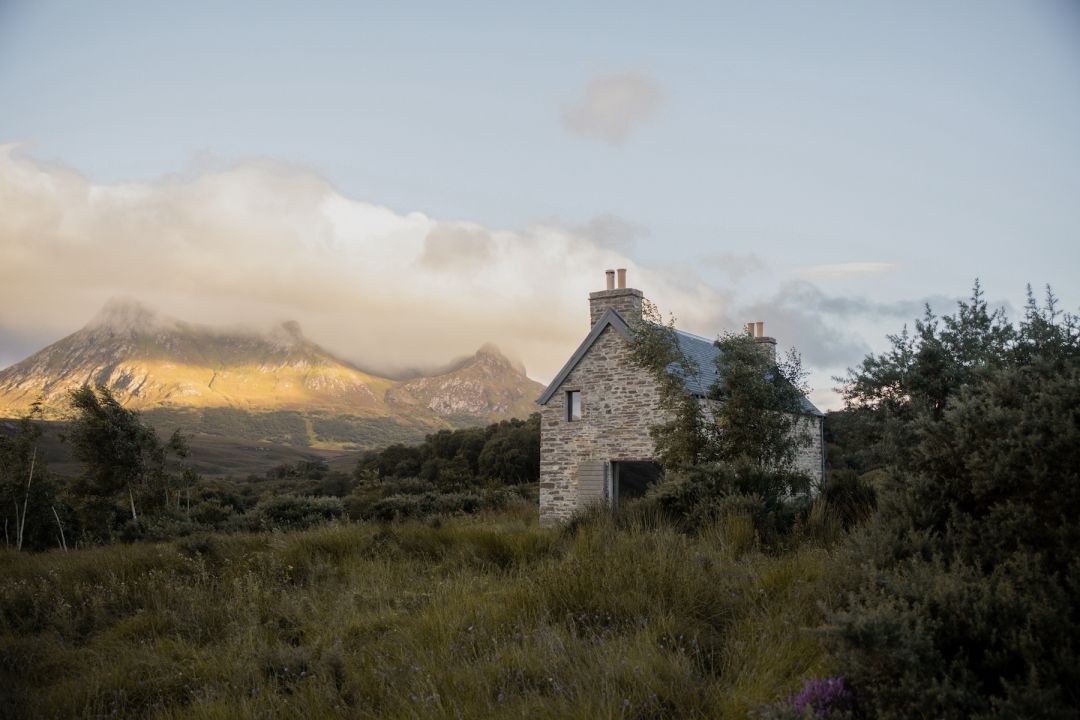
(700, 352)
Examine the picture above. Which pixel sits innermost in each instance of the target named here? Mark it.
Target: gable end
(610, 317)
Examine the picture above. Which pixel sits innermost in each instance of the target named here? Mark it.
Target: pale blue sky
(942, 138)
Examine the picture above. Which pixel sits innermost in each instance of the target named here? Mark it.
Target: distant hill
(276, 386)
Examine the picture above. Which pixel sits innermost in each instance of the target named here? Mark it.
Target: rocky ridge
(150, 361)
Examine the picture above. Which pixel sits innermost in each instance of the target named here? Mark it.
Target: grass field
(472, 618)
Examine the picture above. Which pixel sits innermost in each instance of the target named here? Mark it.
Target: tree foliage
(759, 416)
(125, 464)
(734, 450)
(681, 434)
(502, 453)
(32, 513)
(969, 608)
(751, 414)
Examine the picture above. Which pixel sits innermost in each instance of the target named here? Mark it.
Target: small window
(573, 405)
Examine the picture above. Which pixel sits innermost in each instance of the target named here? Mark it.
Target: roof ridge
(695, 336)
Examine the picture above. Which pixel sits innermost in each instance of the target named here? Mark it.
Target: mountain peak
(124, 315)
(490, 350)
(288, 334)
(489, 354)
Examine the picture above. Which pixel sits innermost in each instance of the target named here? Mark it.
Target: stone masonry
(808, 459)
(619, 403)
(625, 301)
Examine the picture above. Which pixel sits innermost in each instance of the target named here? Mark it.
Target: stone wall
(619, 403)
(808, 459)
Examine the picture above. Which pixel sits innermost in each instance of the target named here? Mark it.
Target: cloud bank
(260, 242)
(613, 107)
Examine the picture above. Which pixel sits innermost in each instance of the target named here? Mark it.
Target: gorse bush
(969, 608)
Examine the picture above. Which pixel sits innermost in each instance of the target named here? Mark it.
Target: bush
(288, 512)
(406, 486)
(850, 496)
(399, 507)
(969, 608)
(211, 512)
(698, 496)
(502, 453)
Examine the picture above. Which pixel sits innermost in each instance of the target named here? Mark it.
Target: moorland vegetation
(933, 574)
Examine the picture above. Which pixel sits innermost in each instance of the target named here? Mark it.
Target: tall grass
(488, 617)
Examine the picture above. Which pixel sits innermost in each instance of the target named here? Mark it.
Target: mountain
(484, 384)
(161, 365)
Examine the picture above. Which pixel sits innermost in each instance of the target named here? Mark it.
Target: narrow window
(573, 405)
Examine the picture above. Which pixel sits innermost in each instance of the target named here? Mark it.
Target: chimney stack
(623, 300)
(768, 344)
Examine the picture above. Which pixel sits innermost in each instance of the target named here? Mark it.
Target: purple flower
(822, 695)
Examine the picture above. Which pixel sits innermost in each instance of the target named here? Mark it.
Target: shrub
(211, 512)
(850, 496)
(699, 495)
(969, 608)
(398, 507)
(288, 512)
(406, 486)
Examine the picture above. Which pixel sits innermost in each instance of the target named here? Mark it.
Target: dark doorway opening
(632, 479)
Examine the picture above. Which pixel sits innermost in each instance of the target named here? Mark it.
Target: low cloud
(734, 266)
(849, 268)
(458, 247)
(613, 232)
(260, 241)
(613, 107)
(828, 330)
(811, 298)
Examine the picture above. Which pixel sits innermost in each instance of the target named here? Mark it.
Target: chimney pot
(750, 329)
(760, 328)
(610, 279)
(622, 277)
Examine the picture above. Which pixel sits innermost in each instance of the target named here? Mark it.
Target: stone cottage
(595, 415)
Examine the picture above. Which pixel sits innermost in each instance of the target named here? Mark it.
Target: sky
(410, 180)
